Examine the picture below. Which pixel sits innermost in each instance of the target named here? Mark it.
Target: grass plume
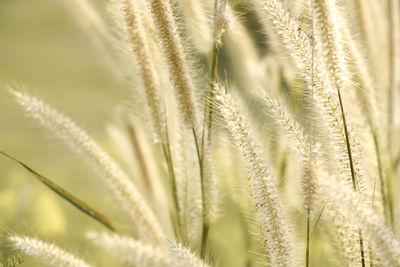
(48, 253)
(311, 109)
(117, 180)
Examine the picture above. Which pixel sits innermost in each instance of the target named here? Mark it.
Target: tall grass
(299, 101)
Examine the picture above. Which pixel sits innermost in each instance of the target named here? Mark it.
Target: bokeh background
(43, 47)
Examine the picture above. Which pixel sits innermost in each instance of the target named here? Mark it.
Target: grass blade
(79, 204)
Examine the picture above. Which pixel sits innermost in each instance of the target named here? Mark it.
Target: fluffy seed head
(48, 253)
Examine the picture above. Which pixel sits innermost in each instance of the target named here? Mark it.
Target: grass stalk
(138, 150)
(353, 176)
(385, 206)
(333, 50)
(205, 223)
(208, 112)
(114, 176)
(315, 79)
(390, 114)
(178, 68)
(311, 131)
(308, 238)
(171, 174)
(276, 231)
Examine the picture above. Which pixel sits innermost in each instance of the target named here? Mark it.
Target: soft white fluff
(276, 231)
(115, 177)
(48, 253)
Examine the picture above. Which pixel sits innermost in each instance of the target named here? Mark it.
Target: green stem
(171, 173)
(386, 209)
(353, 176)
(140, 156)
(390, 108)
(308, 238)
(208, 112)
(204, 237)
(311, 132)
(206, 226)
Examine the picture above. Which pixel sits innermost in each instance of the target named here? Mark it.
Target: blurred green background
(43, 47)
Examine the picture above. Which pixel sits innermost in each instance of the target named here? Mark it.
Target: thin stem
(311, 130)
(208, 111)
(390, 108)
(362, 249)
(318, 219)
(346, 132)
(381, 178)
(308, 238)
(353, 176)
(205, 222)
(140, 156)
(171, 173)
(204, 237)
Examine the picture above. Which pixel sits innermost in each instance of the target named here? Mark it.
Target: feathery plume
(222, 19)
(188, 258)
(299, 142)
(350, 205)
(347, 234)
(95, 25)
(329, 41)
(318, 76)
(48, 253)
(91, 17)
(140, 48)
(291, 127)
(133, 251)
(179, 72)
(117, 180)
(368, 100)
(198, 23)
(142, 254)
(275, 227)
(308, 183)
(366, 89)
(188, 182)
